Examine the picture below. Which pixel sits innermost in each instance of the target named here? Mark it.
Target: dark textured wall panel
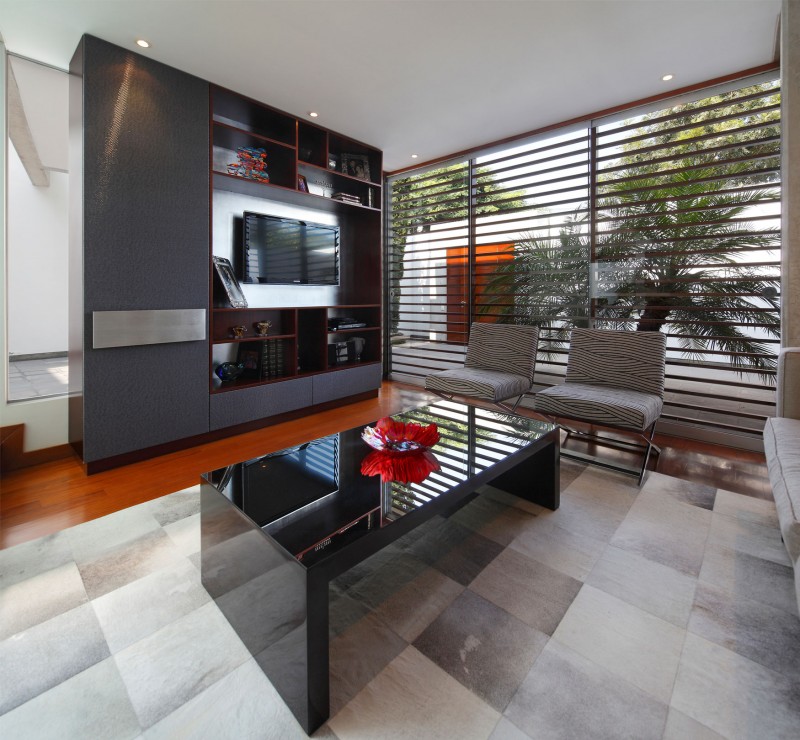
(342, 383)
(249, 404)
(145, 244)
(148, 398)
(146, 183)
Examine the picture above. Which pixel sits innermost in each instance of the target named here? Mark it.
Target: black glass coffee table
(276, 529)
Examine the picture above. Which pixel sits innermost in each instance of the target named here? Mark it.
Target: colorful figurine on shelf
(252, 164)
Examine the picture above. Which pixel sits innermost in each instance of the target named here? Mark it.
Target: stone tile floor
(37, 378)
(665, 612)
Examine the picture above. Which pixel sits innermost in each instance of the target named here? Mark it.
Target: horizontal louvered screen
(428, 270)
(668, 221)
(687, 237)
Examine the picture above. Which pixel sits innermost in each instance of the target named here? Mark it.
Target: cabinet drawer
(349, 382)
(259, 402)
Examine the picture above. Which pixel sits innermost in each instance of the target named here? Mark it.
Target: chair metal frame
(646, 435)
(619, 353)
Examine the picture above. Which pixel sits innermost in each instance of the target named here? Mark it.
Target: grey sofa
(782, 448)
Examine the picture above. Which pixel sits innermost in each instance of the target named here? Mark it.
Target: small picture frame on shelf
(230, 284)
(249, 356)
(302, 183)
(356, 165)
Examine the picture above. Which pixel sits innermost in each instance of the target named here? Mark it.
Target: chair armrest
(788, 396)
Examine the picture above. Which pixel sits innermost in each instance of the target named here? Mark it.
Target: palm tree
(666, 254)
(675, 259)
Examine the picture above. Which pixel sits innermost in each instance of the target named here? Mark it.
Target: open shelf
(309, 345)
(332, 164)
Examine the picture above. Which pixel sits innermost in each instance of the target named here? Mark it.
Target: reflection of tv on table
(284, 251)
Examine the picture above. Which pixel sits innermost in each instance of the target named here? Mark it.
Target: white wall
(36, 231)
(46, 419)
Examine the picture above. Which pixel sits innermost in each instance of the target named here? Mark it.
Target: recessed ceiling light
(667, 78)
(313, 114)
(413, 156)
(144, 44)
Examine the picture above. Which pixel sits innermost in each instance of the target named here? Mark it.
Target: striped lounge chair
(614, 379)
(499, 365)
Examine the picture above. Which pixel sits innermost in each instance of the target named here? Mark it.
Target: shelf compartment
(280, 157)
(312, 144)
(312, 334)
(325, 182)
(264, 360)
(361, 158)
(283, 323)
(364, 313)
(248, 115)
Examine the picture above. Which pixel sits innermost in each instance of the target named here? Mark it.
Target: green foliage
(674, 215)
(440, 196)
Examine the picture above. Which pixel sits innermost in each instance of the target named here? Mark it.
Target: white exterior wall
(45, 420)
(36, 261)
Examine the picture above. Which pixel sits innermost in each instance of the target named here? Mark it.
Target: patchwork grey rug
(666, 611)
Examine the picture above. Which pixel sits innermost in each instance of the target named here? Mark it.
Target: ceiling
(420, 77)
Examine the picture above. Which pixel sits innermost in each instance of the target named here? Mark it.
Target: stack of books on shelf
(346, 198)
(271, 359)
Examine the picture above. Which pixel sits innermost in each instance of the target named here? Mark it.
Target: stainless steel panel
(134, 328)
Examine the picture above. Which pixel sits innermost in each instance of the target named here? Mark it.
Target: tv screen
(284, 251)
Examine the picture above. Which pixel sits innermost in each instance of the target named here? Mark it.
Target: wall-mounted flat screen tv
(285, 251)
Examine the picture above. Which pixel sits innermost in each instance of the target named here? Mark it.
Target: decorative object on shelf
(358, 346)
(346, 198)
(356, 165)
(401, 452)
(228, 371)
(262, 328)
(338, 354)
(230, 284)
(333, 162)
(338, 323)
(252, 164)
(237, 332)
(302, 183)
(249, 359)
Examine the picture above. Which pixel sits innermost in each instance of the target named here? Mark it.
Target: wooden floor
(40, 500)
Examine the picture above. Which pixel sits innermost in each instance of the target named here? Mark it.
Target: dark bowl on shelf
(229, 371)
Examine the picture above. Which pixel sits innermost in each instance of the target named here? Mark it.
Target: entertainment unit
(157, 234)
(309, 263)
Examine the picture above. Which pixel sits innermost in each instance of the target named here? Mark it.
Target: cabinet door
(145, 220)
(349, 382)
(259, 402)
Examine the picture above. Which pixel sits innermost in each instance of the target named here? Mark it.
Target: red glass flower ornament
(400, 451)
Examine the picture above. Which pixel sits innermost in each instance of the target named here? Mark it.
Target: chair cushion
(600, 405)
(507, 348)
(490, 385)
(618, 359)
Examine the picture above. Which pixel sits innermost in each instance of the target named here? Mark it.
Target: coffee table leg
(278, 608)
(536, 478)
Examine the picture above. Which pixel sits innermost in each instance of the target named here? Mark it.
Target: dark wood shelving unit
(307, 359)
